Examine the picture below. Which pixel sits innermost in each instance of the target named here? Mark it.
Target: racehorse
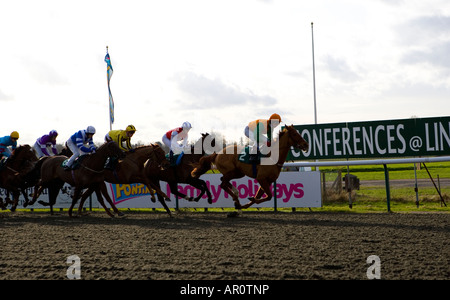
(13, 173)
(90, 174)
(131, 170)
(228, 164)
(182, 172)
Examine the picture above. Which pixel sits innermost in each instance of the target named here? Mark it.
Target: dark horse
(13, 173)
(131, 170)
(182, 172)
(90, 174)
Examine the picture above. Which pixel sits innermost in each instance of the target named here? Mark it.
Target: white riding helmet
(90, 129)
(186, 125)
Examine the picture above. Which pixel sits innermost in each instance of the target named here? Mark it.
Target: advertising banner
(293, 189)
(375, 139)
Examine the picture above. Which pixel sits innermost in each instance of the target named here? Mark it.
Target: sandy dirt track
(256, 245)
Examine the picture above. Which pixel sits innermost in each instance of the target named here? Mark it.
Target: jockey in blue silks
(77, 141)
(6, 141)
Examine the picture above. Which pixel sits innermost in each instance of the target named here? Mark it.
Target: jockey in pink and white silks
(179, 134)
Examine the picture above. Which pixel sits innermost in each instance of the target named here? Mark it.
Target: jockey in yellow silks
(121, 137)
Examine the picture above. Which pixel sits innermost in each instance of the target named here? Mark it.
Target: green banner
(375, 139)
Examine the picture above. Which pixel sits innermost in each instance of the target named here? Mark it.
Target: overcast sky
(218, 64)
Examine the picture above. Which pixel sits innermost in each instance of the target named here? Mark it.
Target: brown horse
(231, 168)
(88, 175)
(131, 170)
(12, 175)
(182, 172)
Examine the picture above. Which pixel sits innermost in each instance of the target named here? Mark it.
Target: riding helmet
(130, 128)
(90, 129)
(186, 125)
(14, 135)
(275, 117)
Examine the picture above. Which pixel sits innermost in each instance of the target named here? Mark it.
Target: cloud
(206, 93)
(43, 73)
(437, 56)
(424, 30)
(426, 40)
(340, 69)
(5, 97)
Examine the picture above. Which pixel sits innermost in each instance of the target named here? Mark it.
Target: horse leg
(100, 199)
(2, 206)
(84, 196)
(161, 198)
(15, 202)
(263, 188)
(174, 189)
(75, 197)
(37, 192)
(201, 185)
(155, 187)
(228, 187)
(257, 195)
(108, 198)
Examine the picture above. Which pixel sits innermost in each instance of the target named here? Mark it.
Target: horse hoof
(232, 214)
(120, 214)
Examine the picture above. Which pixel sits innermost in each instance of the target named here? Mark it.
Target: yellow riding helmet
(14, 135)
(130, 128)
(275, 117)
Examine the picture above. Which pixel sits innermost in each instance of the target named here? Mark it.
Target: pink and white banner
(294, 189)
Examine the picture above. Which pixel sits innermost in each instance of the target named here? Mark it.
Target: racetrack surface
(255, 245)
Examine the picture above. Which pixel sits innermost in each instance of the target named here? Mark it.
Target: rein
(92, 170)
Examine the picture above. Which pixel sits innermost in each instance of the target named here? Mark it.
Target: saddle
(174, 159)
(247, 158)
(76, 164)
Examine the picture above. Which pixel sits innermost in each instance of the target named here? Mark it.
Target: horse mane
(19, 150)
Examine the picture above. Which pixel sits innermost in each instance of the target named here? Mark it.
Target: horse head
(24, 152)
(23, 159)
(159, 156)
(296, 138)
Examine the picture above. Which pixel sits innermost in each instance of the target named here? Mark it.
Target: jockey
(6, 141)
(172, 137)
(256, 131)
(76, 144)
(120, 136)
(45, 141)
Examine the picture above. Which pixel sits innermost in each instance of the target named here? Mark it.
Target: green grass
(396, 171)
(373, 198)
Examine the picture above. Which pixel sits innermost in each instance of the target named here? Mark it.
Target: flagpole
(108, 76)
(109, 113)
(314, 74)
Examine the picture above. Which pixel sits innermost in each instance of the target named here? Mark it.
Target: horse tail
(203, 165)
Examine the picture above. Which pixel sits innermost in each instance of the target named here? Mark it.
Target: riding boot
(253, 158)
(171, 159)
